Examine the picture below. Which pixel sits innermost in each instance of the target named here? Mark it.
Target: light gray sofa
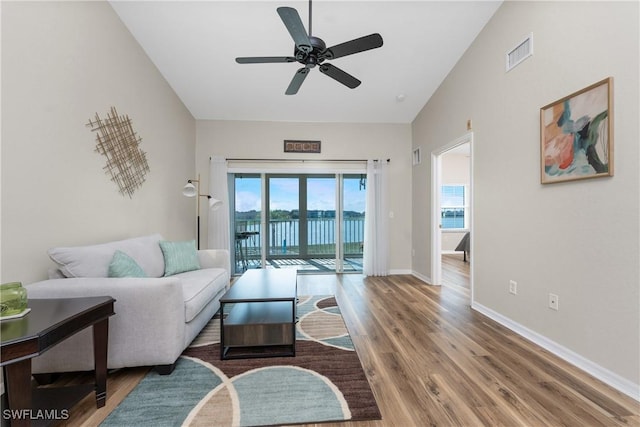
(156, 317)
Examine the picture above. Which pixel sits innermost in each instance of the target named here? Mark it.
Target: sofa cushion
(199, 287)
(179, 257)
(93, 261)
(122, 265)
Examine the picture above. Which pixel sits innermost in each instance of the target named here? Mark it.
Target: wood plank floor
(432, 361)
(455, 271)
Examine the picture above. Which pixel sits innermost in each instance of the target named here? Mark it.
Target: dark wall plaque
(292, 146)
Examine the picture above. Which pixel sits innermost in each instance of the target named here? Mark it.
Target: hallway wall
(579, 240)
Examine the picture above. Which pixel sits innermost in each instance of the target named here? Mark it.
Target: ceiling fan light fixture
(311, 51)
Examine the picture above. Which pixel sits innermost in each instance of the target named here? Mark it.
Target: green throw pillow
(122, 265)
(179, 257)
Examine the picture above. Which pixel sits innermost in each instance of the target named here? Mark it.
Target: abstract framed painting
(576, 135)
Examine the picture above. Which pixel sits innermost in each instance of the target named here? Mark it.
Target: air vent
(522, 51)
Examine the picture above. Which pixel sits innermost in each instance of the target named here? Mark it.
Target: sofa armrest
(147, 328)
(214, 258)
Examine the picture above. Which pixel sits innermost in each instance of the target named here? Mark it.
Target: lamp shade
(214, 203)
(189, 190)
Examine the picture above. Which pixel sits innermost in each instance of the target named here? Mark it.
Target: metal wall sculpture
(119, 143)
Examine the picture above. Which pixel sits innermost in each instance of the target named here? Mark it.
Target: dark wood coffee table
(261, 321)
(49, 322)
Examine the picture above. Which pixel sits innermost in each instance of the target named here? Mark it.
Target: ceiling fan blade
(297, 81)
(295, 26)
(372, 41)
(341, 76)
(264, 59)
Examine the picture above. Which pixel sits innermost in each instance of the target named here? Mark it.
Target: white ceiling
(194, 45)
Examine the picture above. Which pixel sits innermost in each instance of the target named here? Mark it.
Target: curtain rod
(300, 160)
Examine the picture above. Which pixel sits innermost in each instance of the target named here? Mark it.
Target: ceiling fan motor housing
(314, 57)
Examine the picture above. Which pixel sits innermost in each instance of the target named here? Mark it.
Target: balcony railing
(284, 237)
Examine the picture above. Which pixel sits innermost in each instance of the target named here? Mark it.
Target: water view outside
(284, 234)
(453, 218)
(452, 206)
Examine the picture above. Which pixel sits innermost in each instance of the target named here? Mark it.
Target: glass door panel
(321, 216)
(283, 216)
(247, 221)
(353, 212)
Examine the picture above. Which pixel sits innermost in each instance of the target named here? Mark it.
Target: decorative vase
(13, 299)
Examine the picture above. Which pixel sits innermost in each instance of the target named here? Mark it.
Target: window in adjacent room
(453, 203)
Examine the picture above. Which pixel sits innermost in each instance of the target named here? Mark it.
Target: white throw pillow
(93, 261)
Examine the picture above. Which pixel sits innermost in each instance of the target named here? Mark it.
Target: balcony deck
(314, 265)
(313, 252)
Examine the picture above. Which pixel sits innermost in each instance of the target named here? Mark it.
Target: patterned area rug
(323, 382)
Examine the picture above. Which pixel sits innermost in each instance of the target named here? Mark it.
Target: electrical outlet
(513, 287)
(553, 301)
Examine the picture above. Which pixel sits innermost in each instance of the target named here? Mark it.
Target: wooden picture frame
(294, 146)
(576, 135)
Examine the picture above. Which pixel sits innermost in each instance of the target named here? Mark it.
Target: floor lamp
(191, 190)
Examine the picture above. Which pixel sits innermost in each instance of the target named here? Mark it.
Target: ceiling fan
(312, 51)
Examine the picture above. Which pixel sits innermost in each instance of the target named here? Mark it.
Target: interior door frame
(436, 184)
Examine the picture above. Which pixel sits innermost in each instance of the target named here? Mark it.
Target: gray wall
(63, 62)
(579, 240)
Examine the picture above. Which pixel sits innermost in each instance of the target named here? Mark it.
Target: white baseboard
(611, 378)
(392, 272)
(422, 277)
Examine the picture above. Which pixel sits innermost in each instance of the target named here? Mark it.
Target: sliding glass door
(311, 222)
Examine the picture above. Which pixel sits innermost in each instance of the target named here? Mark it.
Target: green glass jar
(13, 299)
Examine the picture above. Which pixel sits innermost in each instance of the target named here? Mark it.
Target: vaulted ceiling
(194, 45)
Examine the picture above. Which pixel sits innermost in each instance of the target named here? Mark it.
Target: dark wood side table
(49, 322)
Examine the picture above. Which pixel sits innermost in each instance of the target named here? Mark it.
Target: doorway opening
(452, 214)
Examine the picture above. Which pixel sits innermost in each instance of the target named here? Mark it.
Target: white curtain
(376, 234)
(218, 222)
